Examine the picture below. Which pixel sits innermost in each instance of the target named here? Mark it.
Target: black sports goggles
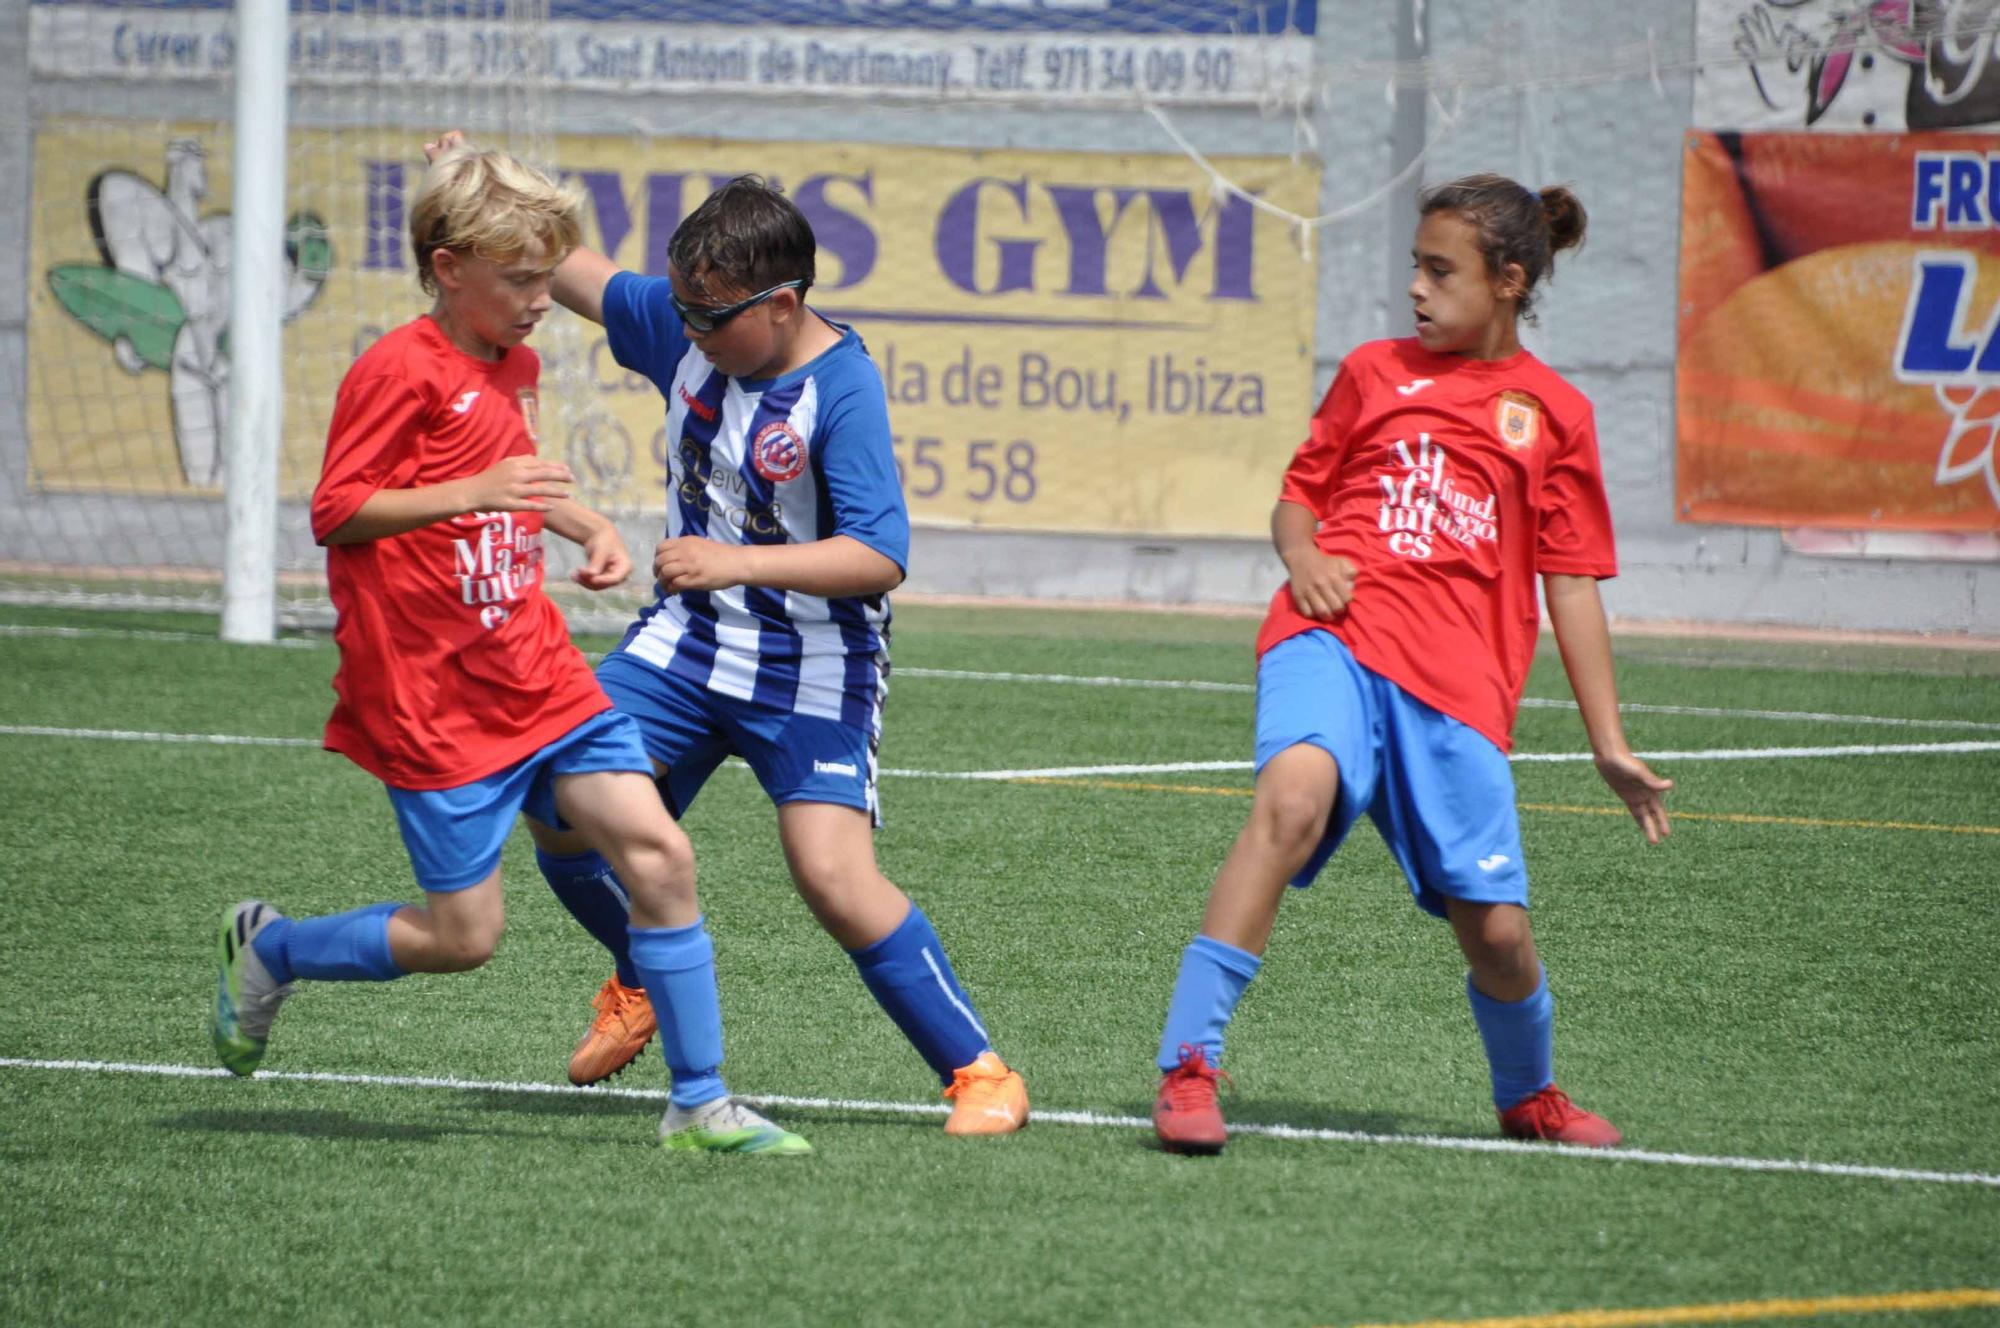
(707, 320)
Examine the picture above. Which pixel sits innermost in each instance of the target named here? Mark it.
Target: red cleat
(1551, 1116)
(1185, 1115)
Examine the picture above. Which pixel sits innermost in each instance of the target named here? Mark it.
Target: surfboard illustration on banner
(160, 294)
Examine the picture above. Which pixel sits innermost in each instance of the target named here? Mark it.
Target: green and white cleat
(727, 1126)
(246, 996)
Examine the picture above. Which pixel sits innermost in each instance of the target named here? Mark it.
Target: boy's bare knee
(1292, 819)
(1498, 940)
(818, 873)
(658, 869)
(665, 861)
(462, 951)
(467, 945)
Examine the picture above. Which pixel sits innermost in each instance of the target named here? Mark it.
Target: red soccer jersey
(453, 662)
(1449, 483)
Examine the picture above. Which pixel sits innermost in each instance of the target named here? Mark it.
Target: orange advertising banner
(1839, 331)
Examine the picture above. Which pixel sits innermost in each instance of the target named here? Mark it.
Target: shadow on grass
(544, 1105)
(1270, 1112)
(1328, 1116)
(318, 1124)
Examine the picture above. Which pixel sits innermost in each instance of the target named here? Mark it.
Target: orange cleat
(1185, 1114)
(622, 1027)
(1551, 1116)
(988, 1098)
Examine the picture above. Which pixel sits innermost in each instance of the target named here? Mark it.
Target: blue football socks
(1212, 978)
(910, 978)
(589, 889)
(346, 947)
(1520, 1041)
(676, 965)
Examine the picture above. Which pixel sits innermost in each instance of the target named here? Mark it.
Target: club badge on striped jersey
(778, 453)
(531, 412)
(1519, 419)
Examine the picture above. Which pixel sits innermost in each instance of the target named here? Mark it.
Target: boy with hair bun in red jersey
(458, 686)
(1442, 473)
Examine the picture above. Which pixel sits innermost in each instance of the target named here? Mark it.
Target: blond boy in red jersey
(458, 685)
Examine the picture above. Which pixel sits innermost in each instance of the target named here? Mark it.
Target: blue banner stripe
(1135, 17)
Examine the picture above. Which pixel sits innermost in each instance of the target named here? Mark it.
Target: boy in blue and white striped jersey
(768, 638)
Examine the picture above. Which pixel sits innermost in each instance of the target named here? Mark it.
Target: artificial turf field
(1792, 1009)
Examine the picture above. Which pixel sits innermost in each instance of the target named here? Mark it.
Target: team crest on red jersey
(531, 412)
(1519, 419)
(778, 453)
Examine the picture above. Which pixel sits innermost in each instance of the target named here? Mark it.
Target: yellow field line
(1130, 785)
(1746, 818)
(1735, 1311)
(1564, 809)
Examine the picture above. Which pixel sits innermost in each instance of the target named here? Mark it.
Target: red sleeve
(1574, 537)
(1309, 479)
(369, 446)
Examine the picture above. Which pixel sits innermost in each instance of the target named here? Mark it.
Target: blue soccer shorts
(455, 835)
(690, 729)
(1439, 791)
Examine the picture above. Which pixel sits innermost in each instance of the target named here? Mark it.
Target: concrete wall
(1607, 320)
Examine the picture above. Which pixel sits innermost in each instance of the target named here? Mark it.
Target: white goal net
(1004, 191)
(117, 482)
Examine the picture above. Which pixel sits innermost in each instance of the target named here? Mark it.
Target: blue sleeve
(858, 468)
(641, 327)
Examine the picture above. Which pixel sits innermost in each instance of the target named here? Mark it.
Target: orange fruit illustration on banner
(1789, 411)
(1820, 191)
(1823, 191)
(1720, 249)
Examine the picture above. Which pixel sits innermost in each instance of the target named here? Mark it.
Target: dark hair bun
(1565, 216)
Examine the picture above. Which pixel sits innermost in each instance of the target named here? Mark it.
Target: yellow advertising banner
(1070, 341)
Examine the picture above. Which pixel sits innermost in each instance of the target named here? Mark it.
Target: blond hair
(493, 206)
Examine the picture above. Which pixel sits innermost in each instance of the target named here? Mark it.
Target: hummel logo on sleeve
(464, 403)
(1495, 862)
(1410, 389)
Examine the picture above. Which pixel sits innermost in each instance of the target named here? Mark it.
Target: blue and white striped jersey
(788, 460)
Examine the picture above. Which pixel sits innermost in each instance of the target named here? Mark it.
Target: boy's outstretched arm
(579, 280)
(1577, 614)
(833, 568)
(517, 484)
(606, 561)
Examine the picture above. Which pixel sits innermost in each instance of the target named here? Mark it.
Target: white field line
(1527, 702)
(1159, 684)
(140, 735)
(1041, 1115)
(1070, 771)
(1082, 771)
(144, 634)
(1072, 680)
(1787, 753)
(1713, 754)
(1789, 716)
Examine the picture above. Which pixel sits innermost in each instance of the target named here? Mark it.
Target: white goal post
(256, 314)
